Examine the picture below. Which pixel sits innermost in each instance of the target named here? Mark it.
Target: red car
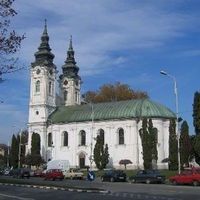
(53, 174)
(188, 176)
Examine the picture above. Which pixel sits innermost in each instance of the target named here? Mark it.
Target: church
(68, 128)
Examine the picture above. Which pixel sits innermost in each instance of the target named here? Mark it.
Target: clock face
(38, 71)
(65, 82)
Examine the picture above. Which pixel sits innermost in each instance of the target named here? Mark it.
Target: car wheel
(112, 179)
(133, 181)
(195, 183)
(174, 182)
(148, 181)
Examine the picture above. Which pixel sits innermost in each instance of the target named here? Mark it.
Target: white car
(74, 173)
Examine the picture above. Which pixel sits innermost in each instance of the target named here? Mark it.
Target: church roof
(111, 111)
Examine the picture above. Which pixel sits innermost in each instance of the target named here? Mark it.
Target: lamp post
(177, 118)
(91, 145)
(19, 153)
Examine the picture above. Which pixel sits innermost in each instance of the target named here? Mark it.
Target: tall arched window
(76, 96)
(65, 138)
(82, 138)
(50, 88)
(101, 134)
(37, 86)
(50, 141)
(121, 135)
(65, 95)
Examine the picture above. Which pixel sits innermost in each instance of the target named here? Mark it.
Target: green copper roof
(111, 110)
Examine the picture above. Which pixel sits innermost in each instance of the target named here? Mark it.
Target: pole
(91, 145)
(8, 155)
(19, 154)
(177, 117)
(177, 125)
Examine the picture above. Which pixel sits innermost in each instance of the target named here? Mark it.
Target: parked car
(53, 174)
(21, 173)
(113, 175)
(74, 173)
(188, 176)
(38, 173)
(147, 176)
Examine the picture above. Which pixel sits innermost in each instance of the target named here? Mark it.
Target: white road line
(16, 197)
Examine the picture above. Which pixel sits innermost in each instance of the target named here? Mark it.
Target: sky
(129, 41)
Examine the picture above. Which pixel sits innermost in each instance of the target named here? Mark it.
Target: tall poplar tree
(148, 136)
(185, 144)
(14, 152)
(173, 146)
(196, 112)
(101, 155)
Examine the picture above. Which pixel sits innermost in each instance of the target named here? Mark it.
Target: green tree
(185, 145)
(34, 158)
(14, 152)
(113, 92)
(101, 155)
(197, 148)
(148, 136)
(196, 112)
(10, 41)
(35, 144)
(173, 146)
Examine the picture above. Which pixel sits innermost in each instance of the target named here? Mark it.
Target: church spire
(70, 69)
(44, 55)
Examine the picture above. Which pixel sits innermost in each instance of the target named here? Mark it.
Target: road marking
(16, 197)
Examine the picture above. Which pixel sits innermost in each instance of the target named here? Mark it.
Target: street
(116, 190)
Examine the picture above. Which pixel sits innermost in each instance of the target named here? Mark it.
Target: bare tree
(10, 41)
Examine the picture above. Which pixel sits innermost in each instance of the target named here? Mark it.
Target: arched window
(37, 86)
(50, 141)
(76, 96)
(65, 138)
(101, 134)
(82, 138)
(65, 95)
(81, 160)
(50, 88)
(121, 136)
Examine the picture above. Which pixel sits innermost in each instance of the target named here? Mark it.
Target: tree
(196, 112)
(10, 41)
(148, 135)
(35, 144)
(197, 148)
(101, 155)
(34, 158)
(14, 151)
(113, 92)
(173, 146)
(185, 145)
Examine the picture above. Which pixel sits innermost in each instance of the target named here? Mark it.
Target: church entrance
(81, 160)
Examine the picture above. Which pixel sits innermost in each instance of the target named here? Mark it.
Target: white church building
(68, 129)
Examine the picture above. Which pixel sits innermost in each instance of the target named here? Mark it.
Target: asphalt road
(117, 191)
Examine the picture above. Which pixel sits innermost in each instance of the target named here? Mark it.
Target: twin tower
(43, 96)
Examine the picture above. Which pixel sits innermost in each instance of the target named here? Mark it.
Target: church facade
(68, 128)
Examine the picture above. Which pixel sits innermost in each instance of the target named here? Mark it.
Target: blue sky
(114, 40)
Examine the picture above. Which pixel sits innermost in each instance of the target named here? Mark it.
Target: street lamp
(177, 119)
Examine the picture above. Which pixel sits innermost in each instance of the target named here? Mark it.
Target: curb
(57, 188)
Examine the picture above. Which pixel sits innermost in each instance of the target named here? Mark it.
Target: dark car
(21, 173)
(148, 176)
(114, 175)
(53, 174)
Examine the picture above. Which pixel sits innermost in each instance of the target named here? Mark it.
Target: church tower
(70, 81)
(42, 90)
(43, 77)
